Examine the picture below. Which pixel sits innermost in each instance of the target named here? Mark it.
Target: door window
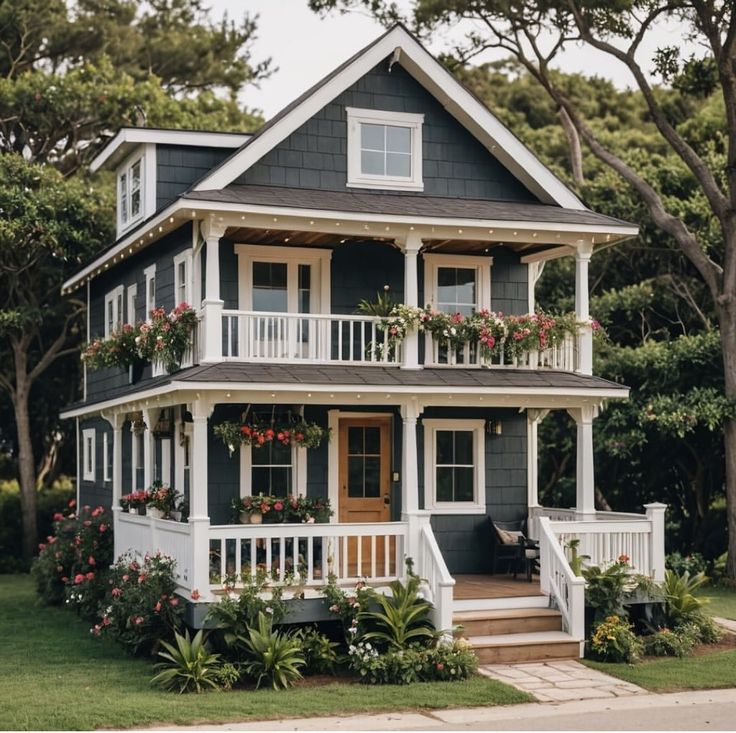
(364, 462)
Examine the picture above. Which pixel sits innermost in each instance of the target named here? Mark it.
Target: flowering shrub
(613, 640)
(140, 607)
(301, 433)
(164, 339)
(72, 562)
(291, 509)
(670, 642)
(346, 606)
(135, 499)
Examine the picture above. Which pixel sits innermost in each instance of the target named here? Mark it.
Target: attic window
(130, 193)
(384, 149)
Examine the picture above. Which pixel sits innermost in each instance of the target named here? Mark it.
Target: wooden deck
(469, 587)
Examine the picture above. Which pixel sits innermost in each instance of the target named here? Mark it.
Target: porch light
(494, 427)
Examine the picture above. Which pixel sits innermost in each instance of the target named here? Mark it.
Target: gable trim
(455, 98)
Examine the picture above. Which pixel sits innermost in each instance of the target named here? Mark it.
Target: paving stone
(566, 695)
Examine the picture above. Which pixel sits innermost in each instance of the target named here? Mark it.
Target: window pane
(135, 176)
(463, 484)
(280, 484)
(372, 478)
(456, 289)
(373, 441)
(273, 453)
(444, 484)
(465, 285)
(305, 277)
(135, 203)
(269, 287)
(445, 453)
(372, 137)
(355, 440)
(355, 476)
(463, 447)
(398, 139)
(398, 164)
(372, 164)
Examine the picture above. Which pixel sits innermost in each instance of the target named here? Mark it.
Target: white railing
(307, 338)
(431, 567)
(560, 583)
(144, 535)
(309, 553)
(560, 357)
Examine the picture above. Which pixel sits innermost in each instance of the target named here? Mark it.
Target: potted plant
(162, 500)
(134, 501)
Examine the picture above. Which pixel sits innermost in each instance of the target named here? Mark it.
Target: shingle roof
(401, 205)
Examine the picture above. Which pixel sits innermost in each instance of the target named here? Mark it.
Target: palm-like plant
(272, 656)
(190, 667)
(402, 619)
(679, 594)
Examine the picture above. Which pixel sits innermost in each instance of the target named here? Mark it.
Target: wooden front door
(365, 490)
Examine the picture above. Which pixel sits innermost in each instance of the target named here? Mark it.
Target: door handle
(386, 500)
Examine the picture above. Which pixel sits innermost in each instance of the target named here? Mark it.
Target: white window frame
(478, 505)
(114, 298)
(298, 471)
(146, 154)
(481, 264)
(149, 273)
(356, 178)
(184, 258)
(106, 477)
(131, 295)
(126, 219)
(89, 448)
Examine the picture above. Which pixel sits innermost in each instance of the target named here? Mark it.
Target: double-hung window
(88, 454)
(457, 283)
(130, 193)
(114, 311)
(384, 149)
(454, 466)
(150, 276)
(182, 277)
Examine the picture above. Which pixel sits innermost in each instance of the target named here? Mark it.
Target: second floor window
(182, 274)
(130, 193)
(150, 274)
(113, 311)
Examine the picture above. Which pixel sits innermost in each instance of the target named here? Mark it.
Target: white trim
(149, 273)
(165, 468)
(481, 263)
(184, 257)
(478, 505)
(89, 448)
(128, 136)
(319, 259)
(105, 457)
(131, 295)
(412, 122)
(114, 298)
(468, 110)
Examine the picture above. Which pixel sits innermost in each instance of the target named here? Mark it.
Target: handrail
(558, 580)
(433, 569)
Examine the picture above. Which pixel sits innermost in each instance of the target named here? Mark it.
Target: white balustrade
(560, 357)
(306, 338)
(431, 567)
(309, 553)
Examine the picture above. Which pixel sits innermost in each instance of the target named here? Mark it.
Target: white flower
(269, 609)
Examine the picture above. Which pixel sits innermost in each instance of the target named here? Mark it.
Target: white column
(409, 460)
(148, 418)
(212, 304)
(585, 472)
(655, 514)
(411, 245)
(199, 520)
(117, 475)
(582, 307)
(533, 418)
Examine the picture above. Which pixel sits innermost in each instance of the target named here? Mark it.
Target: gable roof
(462, 104)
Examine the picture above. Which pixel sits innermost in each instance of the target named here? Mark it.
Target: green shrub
(681, 604)
(271, 656)
(605, 590)
(613, 640)
(449, 661)
(140, 608)
(73, 563)
(320, 654)
(227, 675)
(189, 666)
(669, 643)
(692, 564)
(704, 629)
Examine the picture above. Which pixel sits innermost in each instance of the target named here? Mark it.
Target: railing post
(411, 245)
(212, 304)
(582, 307)
(544, 556)
(655, 514)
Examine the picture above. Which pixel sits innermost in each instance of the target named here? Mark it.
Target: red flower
(299, 437)
(440, 666)
(116, 592)
(195, 595)
(280, 436)
(245, 430)
(72, 503)
(58, 516)
(103, 528)
(91, 561)
(278, 506)
(65, 579)
(99, 510)
(78, 578)
(261, 439)
(157, 607)
(142, 578)
(269, 434)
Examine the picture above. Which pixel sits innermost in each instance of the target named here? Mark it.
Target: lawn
(55, 675)
(722, 601)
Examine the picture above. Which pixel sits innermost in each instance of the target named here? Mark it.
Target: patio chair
(511, 545)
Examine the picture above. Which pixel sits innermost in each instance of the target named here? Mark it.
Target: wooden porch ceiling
(298, 238)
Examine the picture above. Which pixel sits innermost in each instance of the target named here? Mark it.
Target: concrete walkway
(561, 681)
(726, 623)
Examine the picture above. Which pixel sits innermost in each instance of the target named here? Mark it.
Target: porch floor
(471, 587)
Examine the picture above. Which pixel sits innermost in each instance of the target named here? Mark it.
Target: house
(387, 173)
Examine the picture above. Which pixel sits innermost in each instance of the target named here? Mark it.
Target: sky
(305, 47)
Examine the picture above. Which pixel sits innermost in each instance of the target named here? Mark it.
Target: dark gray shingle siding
(178, 167)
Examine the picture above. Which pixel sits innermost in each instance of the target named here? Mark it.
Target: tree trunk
(573, 144)
(26, 463)
(727, 322)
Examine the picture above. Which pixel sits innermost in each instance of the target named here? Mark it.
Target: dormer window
(130, 193)
(384, 149)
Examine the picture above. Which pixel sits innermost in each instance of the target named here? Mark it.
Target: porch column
(412, 244)
(117, 475)
(148, 419)
(655, 514)
(199, 520)
(585, 471)
(533, 418)
(212, 305)
(409, 460)
(582, 307)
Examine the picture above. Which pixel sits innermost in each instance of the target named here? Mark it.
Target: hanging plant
(301, 434)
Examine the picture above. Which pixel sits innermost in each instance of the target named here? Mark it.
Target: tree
(70, 75)
(536, 32)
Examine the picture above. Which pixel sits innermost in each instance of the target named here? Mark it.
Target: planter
(132, 510)
(175, 516)
(135, 370)
(244, 517)
(154, 513)
(256, 518)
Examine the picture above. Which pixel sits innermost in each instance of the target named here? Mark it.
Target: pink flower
(157, 607)
(195, 595)
(125, 578)
(440, 666)
(278, 506)
(58, 516)
(96, 512)
(116, 592)
(90, 576)
(91, 561)
(78, 578)
(41, 546)
(137, 620)
(174, 602)
(103, 528)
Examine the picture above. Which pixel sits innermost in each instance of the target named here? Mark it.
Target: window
(454, 466)
(132, 294)
(150, 274)
(384, 149)
(364, 462)
(130, 193)
(182, 273)
(106, 458)
(271, 469)
(88, 454)
(114, 311)
(457, 283)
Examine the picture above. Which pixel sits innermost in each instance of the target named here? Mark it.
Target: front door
(365, 489)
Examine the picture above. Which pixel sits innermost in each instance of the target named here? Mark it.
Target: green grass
(722, 601)
(55, 675)
(708, 672)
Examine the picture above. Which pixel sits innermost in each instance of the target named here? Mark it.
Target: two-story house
(386, 174)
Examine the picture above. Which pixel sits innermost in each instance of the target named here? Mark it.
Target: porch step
(499, 604)
(507, 621)
(532, 647)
